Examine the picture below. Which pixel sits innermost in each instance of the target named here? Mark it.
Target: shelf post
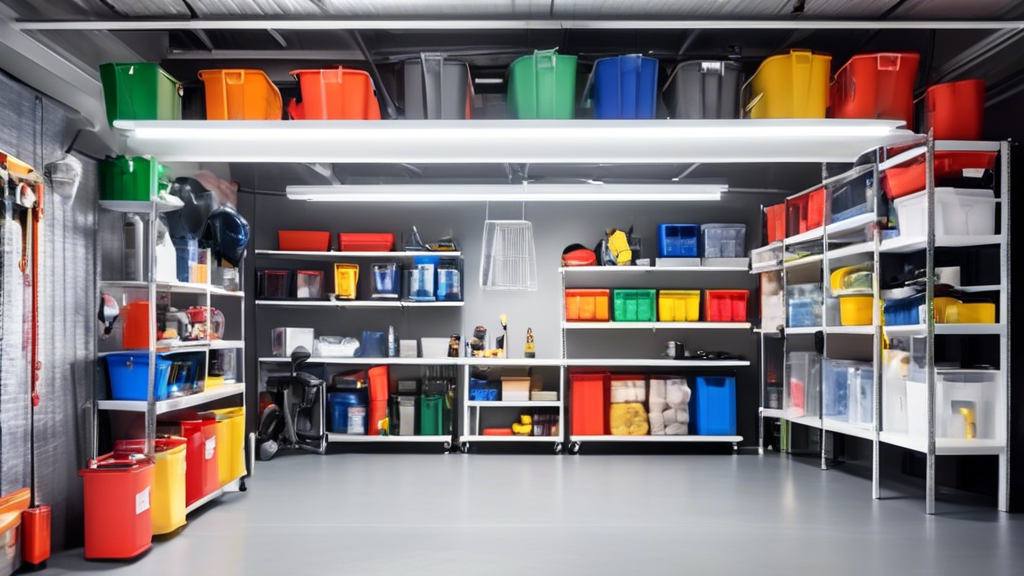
(1004, 318)
(876, 335)
(151, 372)
(930, 311)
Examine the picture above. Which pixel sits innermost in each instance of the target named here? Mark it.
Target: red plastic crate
(202, 475)
(113, 487)
(908, 179)
(725, 305)
(805, 212)
(775, 222)
(590, 400)
(878, 85)
(303, 240)
(366, 242)
(955, 110)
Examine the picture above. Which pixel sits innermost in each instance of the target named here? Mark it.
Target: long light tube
(526, 192)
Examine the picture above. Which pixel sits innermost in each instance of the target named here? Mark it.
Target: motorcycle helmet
(578, 255)
(227, 234)
(199, 204)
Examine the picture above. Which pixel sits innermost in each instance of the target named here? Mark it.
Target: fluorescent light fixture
(526, 192)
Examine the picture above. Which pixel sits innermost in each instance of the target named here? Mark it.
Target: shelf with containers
(512, 400)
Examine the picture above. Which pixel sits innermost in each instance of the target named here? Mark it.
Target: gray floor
(592, 514)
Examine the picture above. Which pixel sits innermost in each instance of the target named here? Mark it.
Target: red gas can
(117, 489)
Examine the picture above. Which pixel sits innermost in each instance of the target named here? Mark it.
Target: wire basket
(508, 259)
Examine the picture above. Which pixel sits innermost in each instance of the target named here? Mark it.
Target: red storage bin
(955, 110)
(879, 85)
(303, 240)
(900, 181)
(335, 94)
(725, 305)
(775, 222)
(590, 403)
(117, 489)
(366, 242)
(202, 475)
(378, 378)
(805, 212)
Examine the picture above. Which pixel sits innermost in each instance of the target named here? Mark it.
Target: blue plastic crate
(129, 375)
(625, 87)
(904, 311)
(678, 240)
(713, 407)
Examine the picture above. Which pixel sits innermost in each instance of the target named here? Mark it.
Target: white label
(357, 420)
(974, 172)
(142, 501)
(211, 447)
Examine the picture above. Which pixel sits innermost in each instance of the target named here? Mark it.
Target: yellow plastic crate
(678, 305)
(969, 312)
(793, 85)
(230, 443)
(346, 278)
(169, 490)
(855, 310)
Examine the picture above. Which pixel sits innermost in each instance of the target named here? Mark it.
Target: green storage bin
(634, 305)
(542, 86)
(431, 415)
(140, 91)
(134, 178)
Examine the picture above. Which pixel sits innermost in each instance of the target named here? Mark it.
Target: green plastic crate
(634, 306)
(542, 86)
(134, 178)
(140, 91)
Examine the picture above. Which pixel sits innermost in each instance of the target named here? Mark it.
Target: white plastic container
(286, 340)
(434, 347)
(965, 405)
(800, 392)
(895, 365)
(958, 212)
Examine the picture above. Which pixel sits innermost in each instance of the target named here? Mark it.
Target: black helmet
(227, 234)
(199, 204)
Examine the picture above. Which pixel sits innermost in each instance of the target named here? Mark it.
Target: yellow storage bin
(230, 443)
(855, 310)
(793, 85)
(969, 312)
(678, 305)
(346, 278)
(628, 419)
(168, 497)
(942, 304)
(213, 382)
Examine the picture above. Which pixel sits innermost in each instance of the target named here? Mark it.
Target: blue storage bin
(129, 375)
(904, 311)
(625, 87)
(348, 412)
(713, 407)
(373, 345)
(678, 240)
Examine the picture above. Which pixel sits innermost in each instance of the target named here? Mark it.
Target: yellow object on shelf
(855, 310)
(346, 278)
(524, 427)
(969, 313)
(942, 303)
(793, 85)
(168, 503)
(628, 419)
(679, 305)
(230, 443)
(213, 382)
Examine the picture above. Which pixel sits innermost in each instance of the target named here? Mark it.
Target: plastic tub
(348, 413)
(230, 444)
(950, 168)
(348, 242)
(955, 110)
(958, 212)
(793, 85)
(878, 85)
(202, 470)
(970, 313)
(855, 310)
(303, 240)
(910, 310)
(334, 94)
(117, 491)
(589, 403)
(129, 376)
(633, 305)
(437, 88)
(679, 305)
(309, 284)
(775, 222)
(273, 284)
(805, 212)
(586, 305)
(236, 94)
(624, 87)
(724, 240)
(346, 281)
(704, 89)
(168, 497)
(714, 406)
(800, 392)
(678, 240)
(725, 305)
(542, 85)
(804, 304)
(848, 391)
(965, 405)
(895, 367)
(431, 415)
(134, 178)
(140, 91)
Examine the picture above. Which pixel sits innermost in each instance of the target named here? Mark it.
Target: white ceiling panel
(255, 8)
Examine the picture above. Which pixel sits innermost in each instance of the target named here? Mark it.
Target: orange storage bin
(879, 85)
(378, 377)
(900, 181)
(335, 94)
(303, 240)
(590, 392)
(135, 330)
(238, 94)
(586, 305)
(725, 305)
(366, 242)
(955, 110)
(775, 222)
(117, 489)
(376, 414)
(805, 212)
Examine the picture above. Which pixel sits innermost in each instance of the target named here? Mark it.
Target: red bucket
(879, 85)
(955, 110)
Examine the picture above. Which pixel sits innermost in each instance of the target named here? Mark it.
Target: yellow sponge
(628, 419)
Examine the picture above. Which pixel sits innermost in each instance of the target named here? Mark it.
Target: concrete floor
(593, 514)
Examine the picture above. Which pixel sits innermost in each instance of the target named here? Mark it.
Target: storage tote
(633, 305)
(775, 222)
(679, 305)
(303, 240)
(140, 91)
(965, 405)
(713, 406)
(804, 303)
(723, 240)
(117, 490)
(334, 94)
(590, 401)
(346, 281)
(230, 444)
(958, 212)
(800, 391)
(678, 240)
(952, 168)
(134, 178)
(725, 305)
(202, 470)
(586, 305)
(805, 212)
(542, 85)
(238, 94)
(793, 85)
(437, 88)
(167, 500)
(129, 376)
(955, 110)
(273, 284)
(704, 89)
(366, 242)
(624, 87)
(848, 391)
(877, 85)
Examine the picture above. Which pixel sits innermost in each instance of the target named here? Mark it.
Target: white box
(895, 366)
(961, 396)
(434, 347)
(286, 340)
(958, 212)
(407, 349)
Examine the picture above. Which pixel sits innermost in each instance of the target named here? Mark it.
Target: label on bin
(142, 501)
(357, 420)
(211, 447)
(974, 172)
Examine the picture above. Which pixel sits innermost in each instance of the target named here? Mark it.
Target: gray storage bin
(724, 240)
(704, 89)
(436, 88)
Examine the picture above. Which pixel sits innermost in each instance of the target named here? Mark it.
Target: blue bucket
(129, 375)
(625, 87)
(348, 412)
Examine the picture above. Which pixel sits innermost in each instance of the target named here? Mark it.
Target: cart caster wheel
(464, 447)
(558, 447)
(574, 448)
(241, 485)
(735, 447)
(447, 447)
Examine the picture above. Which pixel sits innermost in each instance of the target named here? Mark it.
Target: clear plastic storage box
(801, 390)
(723, 240)
(804, 305)
(848, 392)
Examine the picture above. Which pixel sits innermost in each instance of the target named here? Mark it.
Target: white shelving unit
(357, 304)
(332, 256)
